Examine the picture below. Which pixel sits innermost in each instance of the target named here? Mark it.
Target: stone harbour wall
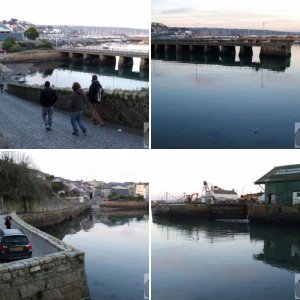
(31, 56)
(125, 107)
(125, 204)
(57, 274)
(274, 214)
(50, 218)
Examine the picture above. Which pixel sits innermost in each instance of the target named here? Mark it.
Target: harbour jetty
(258, 213)
(225, 47)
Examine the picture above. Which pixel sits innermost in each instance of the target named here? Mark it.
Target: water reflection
(229, 260)
(59, 72)
(116, 250)
(278, 64)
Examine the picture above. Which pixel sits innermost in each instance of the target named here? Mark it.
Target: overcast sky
(179, 171)
(277, 15)
(119, 13)
(104, 165)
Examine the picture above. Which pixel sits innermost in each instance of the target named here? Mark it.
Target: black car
(14, 244)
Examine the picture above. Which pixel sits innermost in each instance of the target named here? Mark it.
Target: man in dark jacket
(93, 96)
(48, 97)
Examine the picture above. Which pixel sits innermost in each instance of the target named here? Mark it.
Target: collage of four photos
(148, 150)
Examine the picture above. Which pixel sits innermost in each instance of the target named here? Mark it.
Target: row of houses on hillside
(94, 188)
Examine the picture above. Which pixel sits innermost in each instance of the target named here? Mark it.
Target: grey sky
(179, 171)
(277, 15)
(119, 13)
(105, 165)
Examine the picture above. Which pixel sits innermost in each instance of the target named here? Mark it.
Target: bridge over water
(107, 57)
(219, 46)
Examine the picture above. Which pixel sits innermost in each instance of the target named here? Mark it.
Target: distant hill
(159, 28)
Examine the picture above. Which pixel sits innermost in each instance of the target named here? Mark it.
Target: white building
(143, 190)
(217, 194)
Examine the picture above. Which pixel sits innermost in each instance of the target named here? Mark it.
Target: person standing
(2, 82)
(47, 98)
(93, 97)
(78, 101)
(8, 222)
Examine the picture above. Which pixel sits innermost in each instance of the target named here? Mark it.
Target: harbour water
(63, 73)
(207, 260)
(116, 251)
(208, 102)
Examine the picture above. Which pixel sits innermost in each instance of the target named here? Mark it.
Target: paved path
(2, 221)
(22, 125)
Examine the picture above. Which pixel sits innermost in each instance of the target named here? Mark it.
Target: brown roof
(281, 173)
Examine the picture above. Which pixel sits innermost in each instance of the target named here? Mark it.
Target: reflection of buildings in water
(281, 244)
(86, 221)
(116, 218)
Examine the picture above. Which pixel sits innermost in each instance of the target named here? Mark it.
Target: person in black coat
(47, 98)
(93, 96)
(8, 222)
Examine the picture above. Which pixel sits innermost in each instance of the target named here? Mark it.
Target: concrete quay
(223, 47)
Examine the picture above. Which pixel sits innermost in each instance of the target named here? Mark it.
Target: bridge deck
(108, 52)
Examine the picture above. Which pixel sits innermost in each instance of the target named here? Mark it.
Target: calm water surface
(215, 260)
(116, 249)
(63, 74)
(203, 102)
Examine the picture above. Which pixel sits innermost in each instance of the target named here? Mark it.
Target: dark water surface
(208, 260)
(208, 102)
(116, 251)
(63, 74)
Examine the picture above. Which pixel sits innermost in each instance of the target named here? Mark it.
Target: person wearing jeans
(47, 98)
(78, 101)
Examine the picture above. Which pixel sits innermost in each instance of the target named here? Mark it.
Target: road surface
(22, 125)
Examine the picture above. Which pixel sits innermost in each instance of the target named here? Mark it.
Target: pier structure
(107, 57)
(223, 47)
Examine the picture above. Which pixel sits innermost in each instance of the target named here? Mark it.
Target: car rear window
(16, 240)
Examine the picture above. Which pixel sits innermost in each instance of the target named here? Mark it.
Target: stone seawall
(274, 214)
(258, 213)
(125, 205)
(35, 206)
(53, 217)
(57, 274)
(125, 107)
(31, 56)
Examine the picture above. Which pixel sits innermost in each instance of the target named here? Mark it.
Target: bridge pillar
(170, 48)
(275, 49)
(144, 64)
(228, 50)
(90, 58)
(76, 56)
(106, 60)
(125, 62)
(159, 48)
(199, 49)
(246, 51)
(182, 48)
(212, 49)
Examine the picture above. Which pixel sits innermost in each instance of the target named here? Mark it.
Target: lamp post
(263, 24)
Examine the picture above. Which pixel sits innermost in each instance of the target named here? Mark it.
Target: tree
(31, 33)
(9, 43)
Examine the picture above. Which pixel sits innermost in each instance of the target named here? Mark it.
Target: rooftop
(281, 173)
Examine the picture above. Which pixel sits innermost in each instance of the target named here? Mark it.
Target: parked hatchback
(14, 244)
